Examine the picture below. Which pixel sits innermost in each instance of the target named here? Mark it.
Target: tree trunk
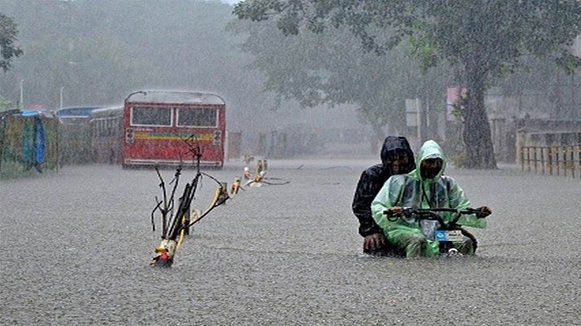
(477, 135)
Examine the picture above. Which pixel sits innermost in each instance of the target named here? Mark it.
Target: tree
(8, 49)
(540, 88)
(481, 39)
(97, 52)
(330, 68)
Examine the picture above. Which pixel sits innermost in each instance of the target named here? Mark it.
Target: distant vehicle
(33, 113)
(75, 115)
(168, 128)
(106, 134)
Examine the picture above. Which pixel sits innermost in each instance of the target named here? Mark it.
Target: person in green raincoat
(424, 187)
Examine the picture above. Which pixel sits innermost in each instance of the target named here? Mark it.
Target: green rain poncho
(410, 190)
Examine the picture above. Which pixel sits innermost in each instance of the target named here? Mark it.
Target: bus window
(147, 116)
(197, 117)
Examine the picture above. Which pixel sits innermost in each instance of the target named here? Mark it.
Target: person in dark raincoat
(424, 187)
(396, 157)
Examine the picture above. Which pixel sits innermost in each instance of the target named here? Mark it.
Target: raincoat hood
(430, 149)
(393, 143)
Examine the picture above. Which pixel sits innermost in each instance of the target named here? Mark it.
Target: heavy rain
(89, 87)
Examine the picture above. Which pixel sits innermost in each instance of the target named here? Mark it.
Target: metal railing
(551, 160)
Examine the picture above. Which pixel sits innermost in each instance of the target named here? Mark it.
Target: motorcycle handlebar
(431, 213)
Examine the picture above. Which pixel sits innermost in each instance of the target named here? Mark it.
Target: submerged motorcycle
(435, 228)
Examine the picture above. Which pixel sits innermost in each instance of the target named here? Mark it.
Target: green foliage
(97, 52)
(8, 48)
(4, 104)
(568, 63)
(331, 68)
(480, 39)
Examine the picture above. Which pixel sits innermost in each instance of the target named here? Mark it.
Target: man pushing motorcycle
(424, 187)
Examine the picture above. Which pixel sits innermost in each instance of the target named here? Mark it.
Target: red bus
(166, 128)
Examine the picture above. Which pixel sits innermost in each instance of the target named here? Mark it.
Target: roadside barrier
(551, 160)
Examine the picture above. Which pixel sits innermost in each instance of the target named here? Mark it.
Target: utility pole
(61, 97)
(21, 95)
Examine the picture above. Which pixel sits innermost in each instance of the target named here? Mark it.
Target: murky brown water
(76, 248)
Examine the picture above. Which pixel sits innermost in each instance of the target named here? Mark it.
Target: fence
(551, 160)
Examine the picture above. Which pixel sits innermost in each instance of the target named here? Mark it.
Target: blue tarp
(33, 144)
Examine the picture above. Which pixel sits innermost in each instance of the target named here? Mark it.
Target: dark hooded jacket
(371, 181)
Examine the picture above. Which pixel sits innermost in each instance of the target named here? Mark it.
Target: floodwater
(76, 247)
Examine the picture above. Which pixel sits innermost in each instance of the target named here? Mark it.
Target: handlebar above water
(431, 213)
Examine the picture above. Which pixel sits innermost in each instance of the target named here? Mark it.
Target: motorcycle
(436, 229)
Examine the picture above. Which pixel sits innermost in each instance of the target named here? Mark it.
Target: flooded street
(77, 245)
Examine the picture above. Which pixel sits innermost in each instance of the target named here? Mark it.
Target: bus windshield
(151, 116)
(198, 117)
